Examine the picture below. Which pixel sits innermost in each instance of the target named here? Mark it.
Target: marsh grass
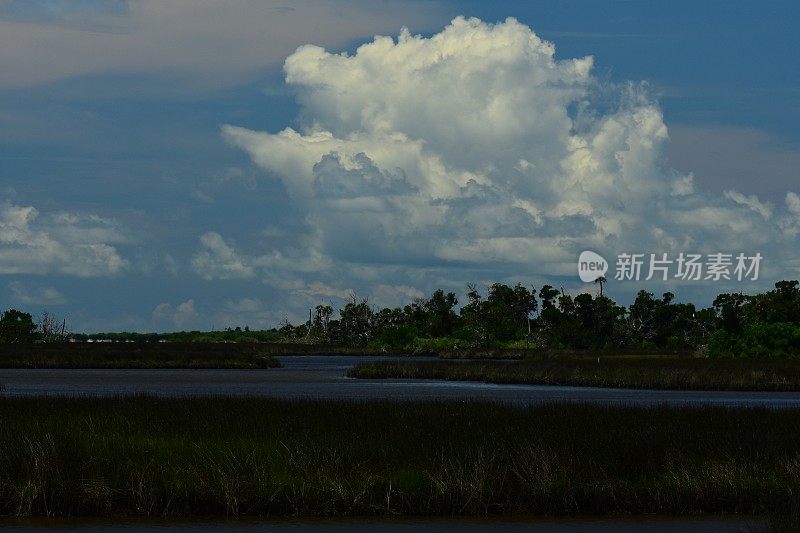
(635, 372)
(260, 457)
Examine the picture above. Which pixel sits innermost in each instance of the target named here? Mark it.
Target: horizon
(461, 302)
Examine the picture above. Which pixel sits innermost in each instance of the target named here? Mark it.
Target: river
(324, 377)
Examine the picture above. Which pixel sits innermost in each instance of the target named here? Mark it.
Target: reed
(260, 457)
(632, 372)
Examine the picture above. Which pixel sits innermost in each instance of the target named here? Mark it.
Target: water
(324, 377)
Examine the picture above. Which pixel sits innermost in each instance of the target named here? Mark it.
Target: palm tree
(600, 282)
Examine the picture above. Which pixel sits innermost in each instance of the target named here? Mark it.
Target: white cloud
(182, 315)
(285, 272)
(751, 202)
(791, 224)
(394, 295)
(65, 243)
(36, 295)
(477, 149)
(245, 305)
(219, 261)
(248, 311)
(683, 185)
(317, 290)
(793, 203)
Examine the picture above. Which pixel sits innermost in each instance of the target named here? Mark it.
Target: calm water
(324, 377)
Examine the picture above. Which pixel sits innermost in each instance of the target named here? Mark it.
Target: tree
(474, 316)
(504, 314)
(600, 281)
(52, 329)
(548, 296)
(17, 327)
(608, 319)
(393, 328)
(730, 310)
(525, 305)
(289, 331)
(762, 324)
(779, 305)
(500, 309)
(440, 314)
(550, 317)
(320, 324)
(356, 321)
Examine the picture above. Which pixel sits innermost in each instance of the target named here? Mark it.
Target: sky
(197, 165)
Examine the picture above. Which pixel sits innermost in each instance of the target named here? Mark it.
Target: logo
(717, 266)
(591, 266)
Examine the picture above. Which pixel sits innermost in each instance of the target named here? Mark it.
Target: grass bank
(635, 372)
(137, 355)
(250, 456)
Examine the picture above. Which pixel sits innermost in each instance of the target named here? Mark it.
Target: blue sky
(149, 217)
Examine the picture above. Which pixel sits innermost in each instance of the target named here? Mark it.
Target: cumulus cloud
(182, 315)
(248, 311)
(476, 148)
(64, 243)
(218, 260)
(791, 224)
(751, 202)
(321, 290)
(36, 295)
(245, 305)
(394, 295)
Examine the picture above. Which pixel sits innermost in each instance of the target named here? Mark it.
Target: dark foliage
(512, 318)
(17, 327)
(630, 372)
(180, 457)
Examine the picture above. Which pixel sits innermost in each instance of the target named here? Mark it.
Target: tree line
(503, 316)
(521, 317)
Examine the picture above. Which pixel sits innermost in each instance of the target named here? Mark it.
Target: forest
(503, 316)
(765, 324)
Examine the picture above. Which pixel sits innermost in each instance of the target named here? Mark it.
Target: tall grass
(250, 456)
(636, 372)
